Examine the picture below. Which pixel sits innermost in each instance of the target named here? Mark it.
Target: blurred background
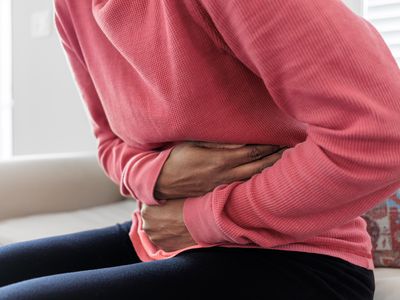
(40, 107)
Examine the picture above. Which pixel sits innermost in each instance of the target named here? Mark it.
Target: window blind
(385, 16)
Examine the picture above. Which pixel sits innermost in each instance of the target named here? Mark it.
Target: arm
(326, 67)
(133, 169)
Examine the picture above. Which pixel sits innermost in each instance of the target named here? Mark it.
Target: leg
(91, 249)
(212, 272)
(317, 276)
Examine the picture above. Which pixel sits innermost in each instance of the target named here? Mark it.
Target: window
(5, 80)
(385, 16)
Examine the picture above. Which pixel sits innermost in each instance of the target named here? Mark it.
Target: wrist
(200, 222)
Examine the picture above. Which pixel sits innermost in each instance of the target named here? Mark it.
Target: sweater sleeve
(134, 170)
(324, 66)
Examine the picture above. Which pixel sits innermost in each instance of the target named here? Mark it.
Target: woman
(191, 103)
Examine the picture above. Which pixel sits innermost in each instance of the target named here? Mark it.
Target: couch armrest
(32, 184)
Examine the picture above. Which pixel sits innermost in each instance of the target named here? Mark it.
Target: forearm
(349, 98)
(273, 210)
(192, 170)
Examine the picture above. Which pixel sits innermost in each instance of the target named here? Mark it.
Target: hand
(195, 168)
(165, 227)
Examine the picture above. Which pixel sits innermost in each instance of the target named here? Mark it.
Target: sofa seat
(43, 225)
(387, 284)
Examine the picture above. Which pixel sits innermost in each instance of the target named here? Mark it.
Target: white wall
(48, 115)
(5, 80)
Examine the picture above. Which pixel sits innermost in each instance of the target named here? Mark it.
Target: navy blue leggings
(102, 264)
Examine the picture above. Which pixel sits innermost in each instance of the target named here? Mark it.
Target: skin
(194, 169)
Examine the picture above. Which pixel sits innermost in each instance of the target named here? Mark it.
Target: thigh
(90, 249)
(212, 272)
(301, 275)
(277, 274)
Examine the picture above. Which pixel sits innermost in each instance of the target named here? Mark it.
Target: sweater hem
(147, 251)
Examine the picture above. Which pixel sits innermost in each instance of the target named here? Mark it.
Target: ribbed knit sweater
(309, 74)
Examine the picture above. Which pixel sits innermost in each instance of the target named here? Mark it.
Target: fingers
(246, 154)
(245, 171)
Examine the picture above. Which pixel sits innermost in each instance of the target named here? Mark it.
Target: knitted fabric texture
(309, 74)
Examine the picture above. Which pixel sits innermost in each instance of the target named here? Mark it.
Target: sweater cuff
(142, 174)
(199, 219)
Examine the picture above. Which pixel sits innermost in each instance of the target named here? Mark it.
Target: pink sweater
(309, 74)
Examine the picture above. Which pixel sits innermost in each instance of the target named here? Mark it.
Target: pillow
(383, 225)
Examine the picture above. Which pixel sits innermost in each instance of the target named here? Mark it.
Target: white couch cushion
(43, 225)
(387, 281)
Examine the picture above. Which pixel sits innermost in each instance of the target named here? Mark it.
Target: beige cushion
(42, 225)
(37, 184)
(387, 281)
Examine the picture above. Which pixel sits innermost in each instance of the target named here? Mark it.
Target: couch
(71, 190)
